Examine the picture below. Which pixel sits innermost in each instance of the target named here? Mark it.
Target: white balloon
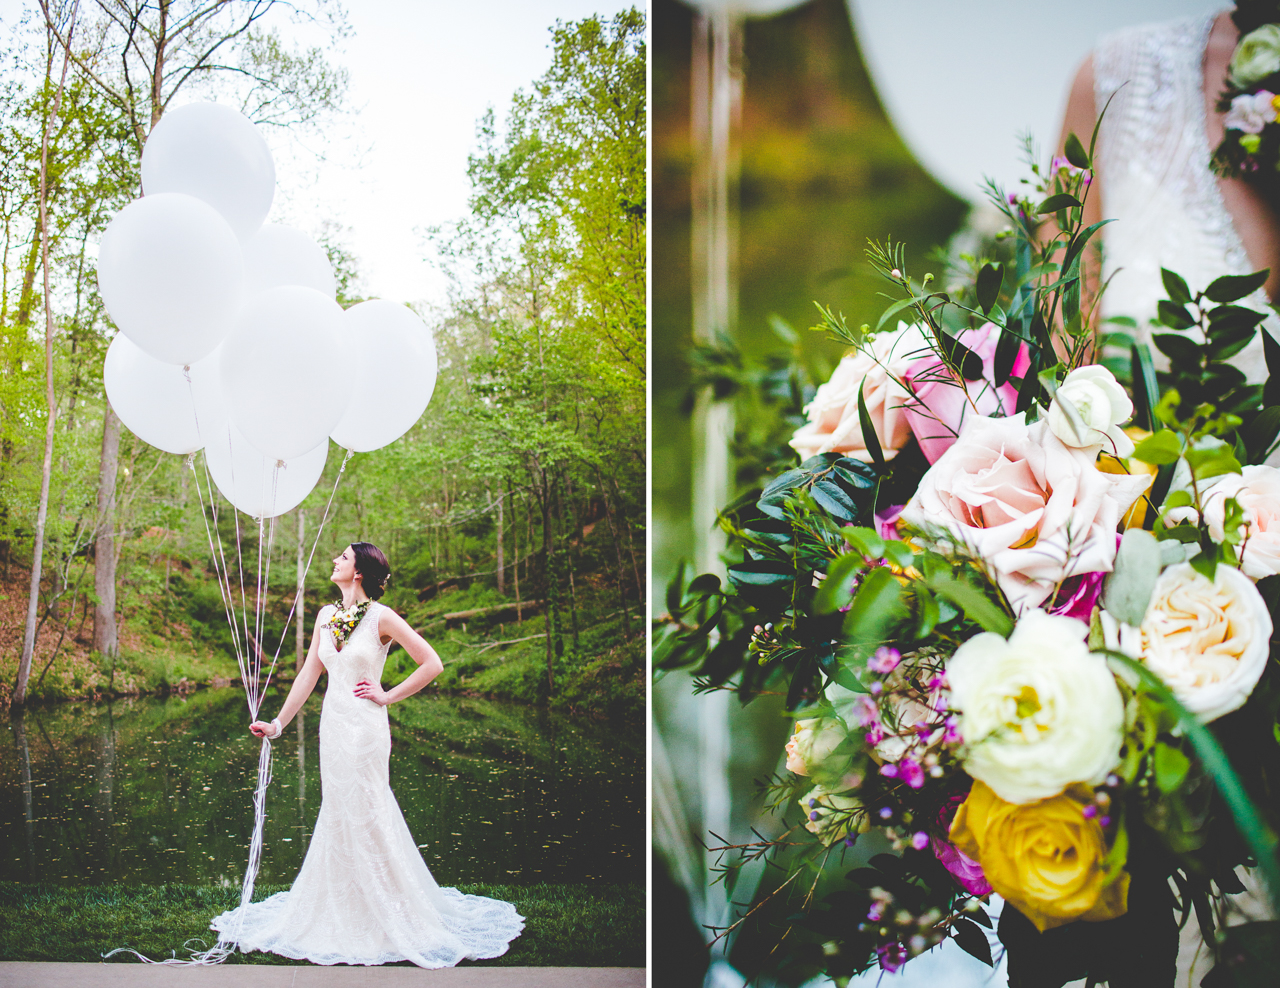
(171, 275)
(260, 486)
(392, 377)
(283, 370)
(155, 400)
(282, 255)
(215, 153)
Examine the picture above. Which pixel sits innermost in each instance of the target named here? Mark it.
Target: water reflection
(159, 790)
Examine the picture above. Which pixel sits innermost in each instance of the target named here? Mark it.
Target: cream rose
(1256, 56)
(812, 743)
(1037, 712)
(1037, 511)
(1207, 640)
(1257, 491)
(834, 425)
(1088, 409)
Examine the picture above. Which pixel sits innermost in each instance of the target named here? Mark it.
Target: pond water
(152, 790)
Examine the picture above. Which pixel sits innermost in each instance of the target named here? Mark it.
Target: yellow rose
(1046, 858)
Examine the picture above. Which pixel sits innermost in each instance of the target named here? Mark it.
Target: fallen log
(526, 607)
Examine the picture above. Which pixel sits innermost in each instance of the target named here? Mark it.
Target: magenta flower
(892, 956)
(884, 661)
(910, 771)
(967, 872)
(886, 521)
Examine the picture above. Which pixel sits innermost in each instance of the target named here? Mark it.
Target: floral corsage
(1250, 147)
(345, 620)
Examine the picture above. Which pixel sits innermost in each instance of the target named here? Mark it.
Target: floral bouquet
(1250, 146)
(1018, 594)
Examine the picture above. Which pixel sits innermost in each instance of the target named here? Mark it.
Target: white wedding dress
(1152, 162)
(364, 895)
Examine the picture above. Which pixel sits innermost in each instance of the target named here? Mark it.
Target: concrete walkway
(22, 974)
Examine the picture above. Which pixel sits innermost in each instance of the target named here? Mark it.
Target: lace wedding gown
(1152, 163)
(364, 895)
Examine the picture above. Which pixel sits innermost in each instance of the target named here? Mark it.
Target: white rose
(1036, 510)
(1256, 56)
(1250, 112)
(1257, 491)
(875, 370)
(1037, 712)
(831, 816)
(812, 743)
(1088, 409)
(1208, 641)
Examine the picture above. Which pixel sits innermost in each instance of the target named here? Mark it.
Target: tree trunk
(299, 613)
(105, 640)
(617, 549)
(515, 552)
(565, 529)
(51, 404)
(501, 580)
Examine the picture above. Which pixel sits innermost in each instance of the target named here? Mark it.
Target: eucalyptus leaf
(1177, 288)
(1128, 589)
(1230, 288)
(1063, 200)
(990, 277)
(1077, 155)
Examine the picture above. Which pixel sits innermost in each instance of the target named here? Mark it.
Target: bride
(1152, 170)
(364, 895)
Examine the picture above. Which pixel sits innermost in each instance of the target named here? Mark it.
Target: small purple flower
(952, 735)
(884, 661)
(886, 521)
(1105, 821)
(886, 812)
(867, 711)
(875, 912)
(889, 770)
(877, 689)
(910, 772)
(1090, 812)
(892, 956)
(814, 816)
(919, 840)
(875, 734)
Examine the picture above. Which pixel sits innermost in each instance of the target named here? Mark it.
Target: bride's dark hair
(373, 568)
(1250, 15)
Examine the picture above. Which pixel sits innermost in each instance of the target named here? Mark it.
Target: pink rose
(1257, 491)
(941, 405)
(876, 370)
(1035, 510)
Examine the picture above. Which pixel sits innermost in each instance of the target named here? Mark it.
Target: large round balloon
(282, 255)
(215, 153)
(282, 367)
(258, 485)
(155, 400)
(392, 377)
(171, 275)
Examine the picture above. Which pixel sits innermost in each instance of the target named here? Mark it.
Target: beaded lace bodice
(1152, 162)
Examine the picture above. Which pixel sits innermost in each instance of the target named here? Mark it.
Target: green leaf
(1177, 288)
(893, 310)
(876, 609)
(1171, 767)
(675, 589)
(837, 589)
(762, 573)
(1173, 315)
(1007, 349)
(1271, 350)
(968, 936)
(1127, 590)
(1212, 460)
(973, 602)
(1145, 391)
(835, 502)
(865, 540)
(1230, 288)
(869, 438)
(1262, 432)
(1159, 449)
(1182, 351)
(1076, 154)
(899, 553)
(1063, 200)
(990, 277)
(784, 482)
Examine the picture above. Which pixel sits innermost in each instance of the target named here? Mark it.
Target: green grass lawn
(595, 925)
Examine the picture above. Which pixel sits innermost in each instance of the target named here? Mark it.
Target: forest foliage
(524, 479)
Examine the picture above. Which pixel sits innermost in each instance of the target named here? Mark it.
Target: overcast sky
(422, 73)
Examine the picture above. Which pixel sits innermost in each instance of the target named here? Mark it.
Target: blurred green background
(822, 171)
